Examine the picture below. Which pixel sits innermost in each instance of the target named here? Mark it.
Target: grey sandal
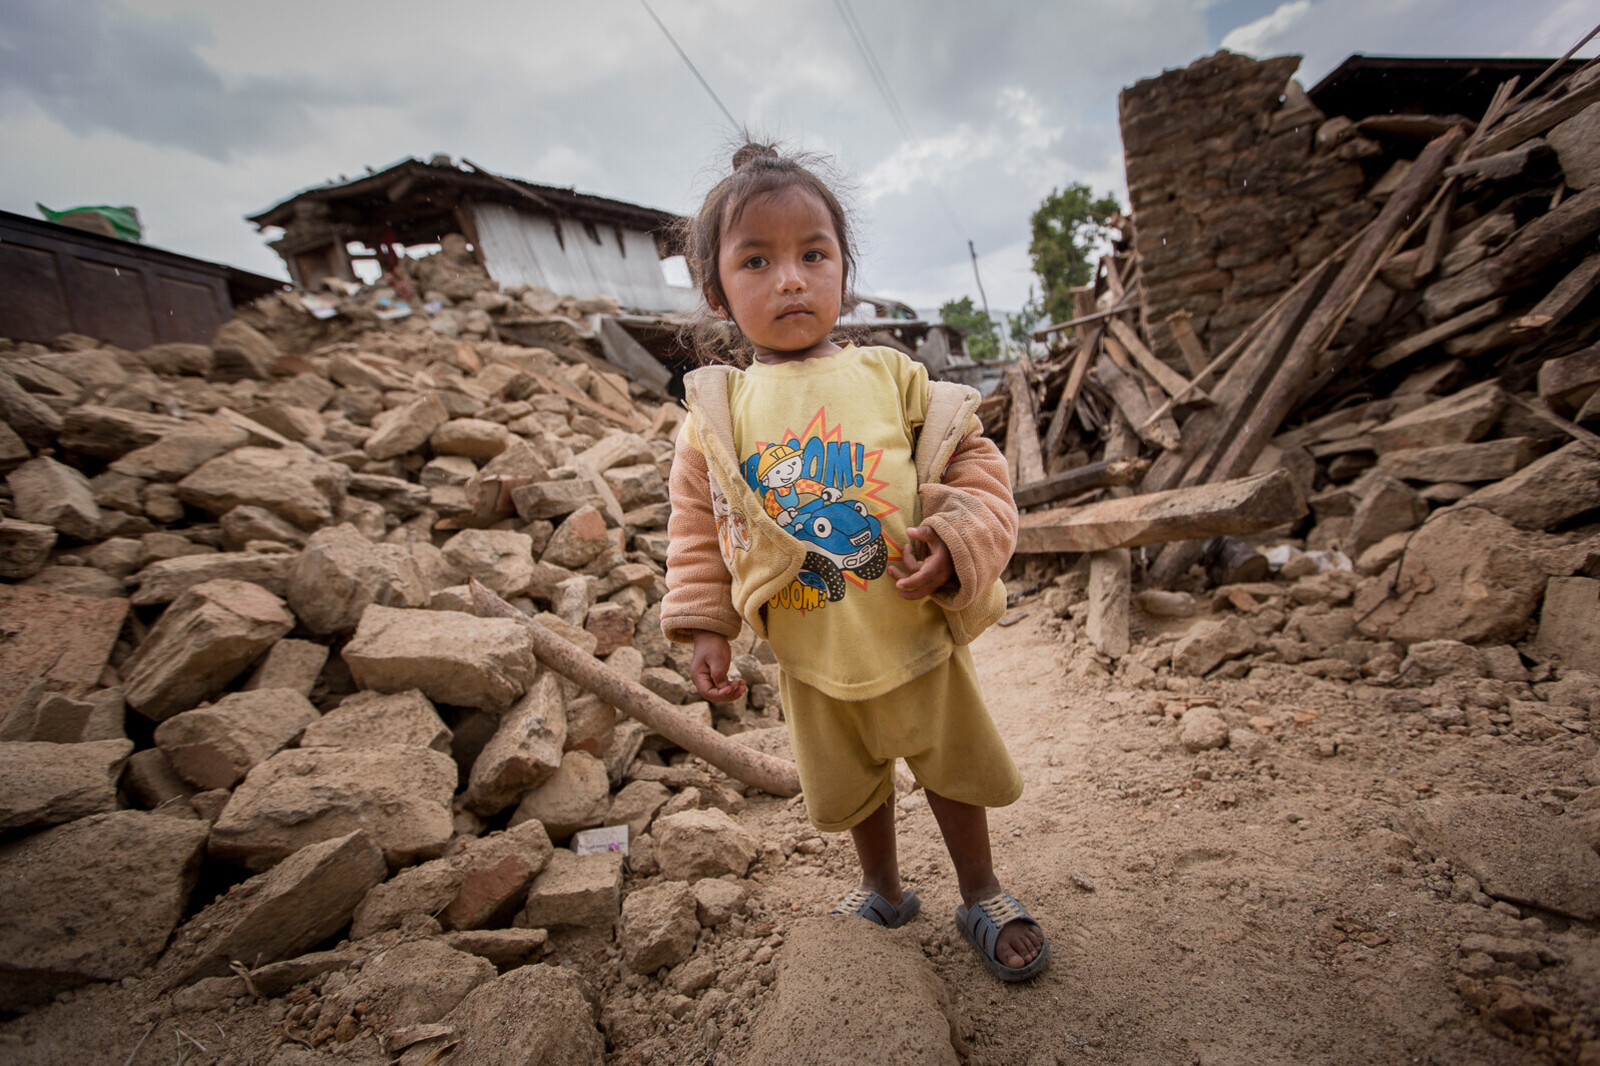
(864, 903)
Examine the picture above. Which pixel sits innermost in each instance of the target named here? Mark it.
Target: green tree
(981, 342)
(1066, 228)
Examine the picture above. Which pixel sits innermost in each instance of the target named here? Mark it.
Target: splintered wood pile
(1448, 343)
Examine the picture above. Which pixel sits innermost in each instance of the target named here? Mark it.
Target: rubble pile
(1392, 319)
(246, 704)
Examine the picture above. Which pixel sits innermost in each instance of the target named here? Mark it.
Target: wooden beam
(1069, 393)
(1110, 596)
(599, 410)
(1443, 331)
(1022, 430)
(1130, 397)
(1174, 384)
(766, 772)
(1537, 119)
(1082, 479)
(1568, 293)
(1194, 353)
(1244, 505)
(1082, 320)
(1300, 363)
(631, 357)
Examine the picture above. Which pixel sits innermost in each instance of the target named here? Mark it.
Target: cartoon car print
(841, 537)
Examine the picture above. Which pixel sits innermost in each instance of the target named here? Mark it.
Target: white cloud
(204, 112)
(1262, 37)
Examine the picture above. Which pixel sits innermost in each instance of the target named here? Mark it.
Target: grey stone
(1547, 492)
(44, 784)
(409, 984)
(524, 752)
(575, 890)
(340, 573)
(1515, 850)
(214, 747)
(453, 658)
(659, 926)
(292, 483)
(483, 882)
(48, 493)
(398, 794)
(181, 452)
(369, 719)
(279, 914)
(165, 580)
(95, 900)
(206, 638)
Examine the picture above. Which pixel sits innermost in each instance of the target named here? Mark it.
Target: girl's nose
(790, 279)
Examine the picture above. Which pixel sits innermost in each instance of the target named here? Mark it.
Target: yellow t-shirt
(827, 446)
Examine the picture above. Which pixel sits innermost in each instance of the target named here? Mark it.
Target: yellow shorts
(845, 750)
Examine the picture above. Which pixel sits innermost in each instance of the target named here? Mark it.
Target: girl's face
(783, 274)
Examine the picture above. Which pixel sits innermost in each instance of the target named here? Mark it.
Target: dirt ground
(1218, 907)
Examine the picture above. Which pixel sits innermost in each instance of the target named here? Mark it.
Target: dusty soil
(1204, 908)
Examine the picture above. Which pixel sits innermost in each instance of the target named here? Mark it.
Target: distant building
(522, 233)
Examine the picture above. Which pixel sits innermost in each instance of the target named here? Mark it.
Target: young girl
(800, 488)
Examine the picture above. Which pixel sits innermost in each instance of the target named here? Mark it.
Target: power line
(869, 58)
(690, 64)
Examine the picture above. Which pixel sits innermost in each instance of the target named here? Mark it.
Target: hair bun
(750, 153)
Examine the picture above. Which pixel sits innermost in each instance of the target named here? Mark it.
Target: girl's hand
(709, 669)
(926, 576)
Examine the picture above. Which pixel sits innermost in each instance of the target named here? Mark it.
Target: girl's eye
(814, 256)
(755, 262)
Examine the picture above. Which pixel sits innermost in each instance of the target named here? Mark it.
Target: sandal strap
(1003, 910)
(867, 904)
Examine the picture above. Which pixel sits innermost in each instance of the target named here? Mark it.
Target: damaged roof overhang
(417, 202)
(1363, 85)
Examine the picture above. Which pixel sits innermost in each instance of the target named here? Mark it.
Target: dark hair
(758, 169)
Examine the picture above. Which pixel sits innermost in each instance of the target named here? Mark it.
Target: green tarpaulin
(120, 222)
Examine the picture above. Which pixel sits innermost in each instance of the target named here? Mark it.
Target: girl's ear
(715, 304)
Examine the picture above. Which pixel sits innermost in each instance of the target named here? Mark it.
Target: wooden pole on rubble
(766, 772)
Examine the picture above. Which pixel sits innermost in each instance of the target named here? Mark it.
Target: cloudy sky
(201, 112)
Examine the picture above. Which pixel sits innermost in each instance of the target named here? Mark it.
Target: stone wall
(1238, 185)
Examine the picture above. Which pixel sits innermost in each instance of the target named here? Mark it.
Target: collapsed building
(330, 639)
(1346, 298)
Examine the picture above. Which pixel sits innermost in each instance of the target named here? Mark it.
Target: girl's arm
(971, 510)
(698, 583)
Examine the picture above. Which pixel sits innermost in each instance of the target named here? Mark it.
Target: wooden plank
(1565, 384)
(1443, 331)
(632, 357)
(1069, 393)
(1433, 245)
(1022, 431)
(1537, 119)
(1244, 505)
(1110, 595)
(1130, 398)
(1568, 293)
(1299, 364)
(1194, 353)
(1083, 320)
(1082, 479)
(1172, 383)
(599, 410)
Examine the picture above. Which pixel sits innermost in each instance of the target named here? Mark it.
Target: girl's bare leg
(875, 847)
(966, 835)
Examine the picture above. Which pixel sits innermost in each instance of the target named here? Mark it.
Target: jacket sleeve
(972, 511)
(698, 583)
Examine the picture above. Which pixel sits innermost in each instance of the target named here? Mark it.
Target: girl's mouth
(791, 312)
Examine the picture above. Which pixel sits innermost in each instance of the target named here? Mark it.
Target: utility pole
(973, 251)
